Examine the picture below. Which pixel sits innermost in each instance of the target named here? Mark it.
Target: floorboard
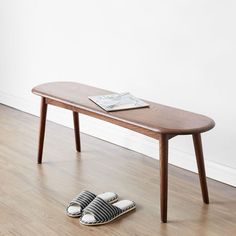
(33, 197)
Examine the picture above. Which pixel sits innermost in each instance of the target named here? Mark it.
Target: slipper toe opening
(74, 210)
(108, 196)
(124, 204)
(88, 218)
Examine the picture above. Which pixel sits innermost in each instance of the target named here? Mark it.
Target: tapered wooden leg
(43, 115)
(201, 168)
(76, 130)
(163, 150)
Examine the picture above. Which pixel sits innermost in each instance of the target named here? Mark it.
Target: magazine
(118, 101)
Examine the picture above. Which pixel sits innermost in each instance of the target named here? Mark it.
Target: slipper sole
(103, 223)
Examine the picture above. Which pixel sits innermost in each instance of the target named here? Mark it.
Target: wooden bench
(158, 121)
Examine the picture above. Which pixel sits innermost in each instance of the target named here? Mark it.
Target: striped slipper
(100, 212)
(77, 205)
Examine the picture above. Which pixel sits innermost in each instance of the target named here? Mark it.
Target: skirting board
(122, 137)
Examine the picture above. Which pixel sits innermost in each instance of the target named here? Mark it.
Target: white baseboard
(122, 137)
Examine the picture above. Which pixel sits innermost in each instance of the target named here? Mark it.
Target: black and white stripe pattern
(102, 211)
(83, 199)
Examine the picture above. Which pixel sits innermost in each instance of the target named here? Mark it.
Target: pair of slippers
(98, 210)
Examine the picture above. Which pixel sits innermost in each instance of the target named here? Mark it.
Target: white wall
(179, 53)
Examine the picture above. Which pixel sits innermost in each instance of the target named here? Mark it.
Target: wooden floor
(33, 197)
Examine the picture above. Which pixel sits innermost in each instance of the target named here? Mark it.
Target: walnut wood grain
(201, 167)
(157, 118)
(121, 123)
(43, 115)
(76, 131)
(163, 152)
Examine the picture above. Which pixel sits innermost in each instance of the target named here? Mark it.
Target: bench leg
(43, 115)
(76, 130)
(163, 151)
(201, 168)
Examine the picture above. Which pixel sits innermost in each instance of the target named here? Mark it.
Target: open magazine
(118, 101)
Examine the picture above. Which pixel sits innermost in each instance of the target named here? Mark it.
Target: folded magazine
(118, 101)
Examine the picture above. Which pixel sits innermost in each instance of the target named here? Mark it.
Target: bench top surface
(158, 118)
